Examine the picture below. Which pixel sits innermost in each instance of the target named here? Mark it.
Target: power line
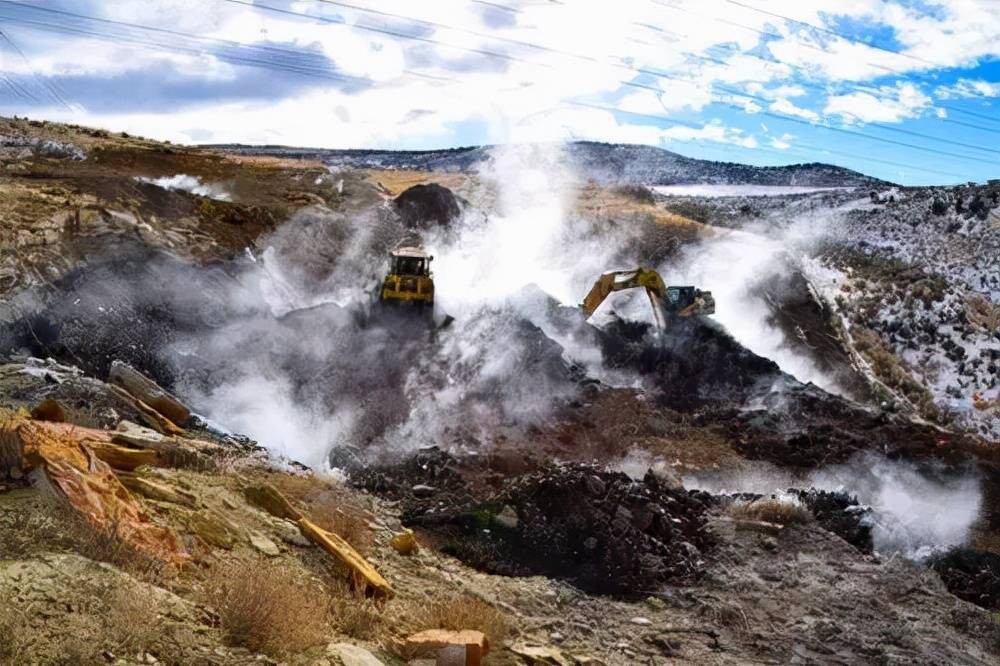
(830, 32)
(383, 31)
(445, 26)
(541, 47)
(299, 62)
(846, 38)
(512, 10)
(45, 84)
(303, 69)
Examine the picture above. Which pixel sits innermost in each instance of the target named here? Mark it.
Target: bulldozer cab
(409, 263)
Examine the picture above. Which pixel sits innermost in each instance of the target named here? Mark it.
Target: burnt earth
(600, 530)
(971, 575)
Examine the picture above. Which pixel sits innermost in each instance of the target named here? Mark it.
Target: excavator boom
(665, 301)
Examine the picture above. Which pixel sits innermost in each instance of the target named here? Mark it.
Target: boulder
(404, 543)
(352, 655)
(466, 647)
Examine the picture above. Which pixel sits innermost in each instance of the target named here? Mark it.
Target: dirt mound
(601, 530)
(971, 575)
(424, 206)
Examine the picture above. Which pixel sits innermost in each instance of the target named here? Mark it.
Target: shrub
(780, 510)
(459, 612)
(266, 608)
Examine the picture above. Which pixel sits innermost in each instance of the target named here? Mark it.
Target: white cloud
(587, 50)
(784, 142)
(782, 105)
(712, 132)
(969, 88)
(887, 104)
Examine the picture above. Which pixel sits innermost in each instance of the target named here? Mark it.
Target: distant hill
(603, 162)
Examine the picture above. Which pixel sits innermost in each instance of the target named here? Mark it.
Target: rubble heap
(601, 530)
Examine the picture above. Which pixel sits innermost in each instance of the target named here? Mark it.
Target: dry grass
(354, 614)
(131, 620)
(125, 623)
(56, 527)
(457, 612)
(398, 180)
(782, 511)
(267, 608)
(331, 505)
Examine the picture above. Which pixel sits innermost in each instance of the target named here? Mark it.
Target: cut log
(364, 574)
(122, 457)
(472, 645)
(149, 416)
(149, 392)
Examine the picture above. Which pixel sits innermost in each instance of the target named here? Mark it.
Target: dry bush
(75, 643)
(331, 505)
(458, 612)
(267, 608)
(354, 614)
(783, 511)
(132, 623)
(13, 647)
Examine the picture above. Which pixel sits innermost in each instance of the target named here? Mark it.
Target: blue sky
(907, 90)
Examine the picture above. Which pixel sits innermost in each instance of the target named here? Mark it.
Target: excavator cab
(666, 301)
(409, 281)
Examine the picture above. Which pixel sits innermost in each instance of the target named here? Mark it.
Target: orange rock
(473, 643)
(60, 460)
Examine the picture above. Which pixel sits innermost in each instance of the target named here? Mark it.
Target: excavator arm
(680, 301)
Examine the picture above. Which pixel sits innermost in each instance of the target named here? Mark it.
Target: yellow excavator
(409, 281)
(666, 301)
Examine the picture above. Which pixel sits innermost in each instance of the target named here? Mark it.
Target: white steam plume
(916, 510)
(735, 266)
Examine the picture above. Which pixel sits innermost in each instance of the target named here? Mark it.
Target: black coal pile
(692, 363)
(971, 575)
(600, 530)
(423, 206)
(840, 513)
(424, 479)
(801, 425)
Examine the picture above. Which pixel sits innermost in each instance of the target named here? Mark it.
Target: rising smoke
(916, 509)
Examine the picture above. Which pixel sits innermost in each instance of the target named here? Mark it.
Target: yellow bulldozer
(409, 281)
(667, 301)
